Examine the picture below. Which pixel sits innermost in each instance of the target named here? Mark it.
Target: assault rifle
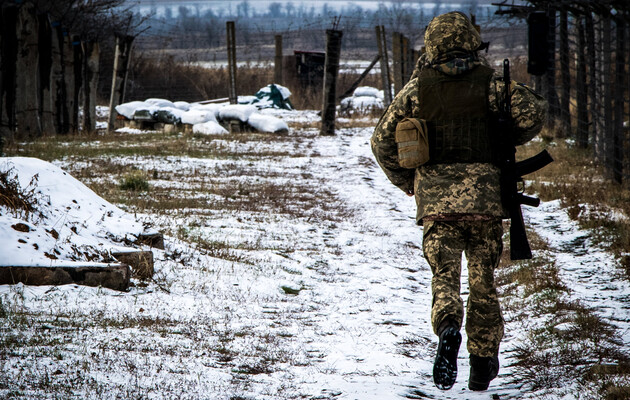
(512, 173)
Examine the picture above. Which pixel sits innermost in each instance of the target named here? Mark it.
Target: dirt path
(301, 278)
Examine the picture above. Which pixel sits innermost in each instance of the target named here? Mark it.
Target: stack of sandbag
(364, 99)
(205, 118)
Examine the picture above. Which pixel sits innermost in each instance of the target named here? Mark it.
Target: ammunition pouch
(412, 142)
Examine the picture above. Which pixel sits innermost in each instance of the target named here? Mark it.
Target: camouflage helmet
(449, 32)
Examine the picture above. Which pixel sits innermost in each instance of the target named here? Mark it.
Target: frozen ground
(325, 303)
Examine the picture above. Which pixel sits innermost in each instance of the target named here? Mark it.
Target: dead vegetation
(596, 202)
(568, 341)
(165, 77)
(21, 202)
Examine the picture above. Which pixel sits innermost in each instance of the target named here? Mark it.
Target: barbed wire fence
(587, 83)
(201, 42)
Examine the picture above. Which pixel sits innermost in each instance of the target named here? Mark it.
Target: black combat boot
(445, 366)
(482, 371)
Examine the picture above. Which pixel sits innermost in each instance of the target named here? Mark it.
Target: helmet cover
(450, 32)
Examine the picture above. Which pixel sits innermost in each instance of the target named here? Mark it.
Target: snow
(182, 105)
(284, 91)
(362, 103)
(160, 103)
(133, 131)
(267, 123)
(209, 128)
(128, 109)
(212, 108)
(198, 116)
(359, 328)
(367, 91)
(237, 111)
(73, 221)
(588, 267)
(364, 99)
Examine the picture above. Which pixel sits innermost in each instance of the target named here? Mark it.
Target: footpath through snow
(358, 327)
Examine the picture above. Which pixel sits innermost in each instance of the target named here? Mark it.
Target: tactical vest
(456, 110)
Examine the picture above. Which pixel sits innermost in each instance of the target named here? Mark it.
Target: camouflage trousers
(481, 241)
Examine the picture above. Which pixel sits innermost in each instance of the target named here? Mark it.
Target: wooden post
(382, 51)
(581, 95)
(402, 56)
(8, 54)
(90, 82)
(231, 53)
(46, 87)
(331, 71)
(119, 79)
(592, 74)
(565, 100)
(68, 83)
(551, 95)
(409, 60)
(620, 76)
(397, 56)
(27, 101)
(608, 93)
(626, 130)
(356, 83)
(77, 84)
(277, 71)
(58, 86)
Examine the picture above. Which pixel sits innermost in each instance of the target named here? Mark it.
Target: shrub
(135, 181)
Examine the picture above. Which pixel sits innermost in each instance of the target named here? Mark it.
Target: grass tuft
(135, 182)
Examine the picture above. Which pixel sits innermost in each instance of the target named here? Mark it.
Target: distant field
(263, 6)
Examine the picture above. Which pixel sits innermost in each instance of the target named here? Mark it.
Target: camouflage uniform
(458, 203)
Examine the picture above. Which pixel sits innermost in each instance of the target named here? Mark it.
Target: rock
(20, 227)
(113, 276)
(141, 263)
(155, 240)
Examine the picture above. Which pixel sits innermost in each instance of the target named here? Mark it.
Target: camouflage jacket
(460, 190)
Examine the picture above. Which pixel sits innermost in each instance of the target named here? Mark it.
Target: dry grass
(570, 340)
(597, 203)
(140, 173)
(20, 201)
(165, 77)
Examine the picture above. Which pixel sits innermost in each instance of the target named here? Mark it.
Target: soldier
(445, 116)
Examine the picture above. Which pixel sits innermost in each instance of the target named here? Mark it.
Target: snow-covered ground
(330, 303)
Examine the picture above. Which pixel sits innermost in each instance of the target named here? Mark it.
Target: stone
(155, 240)
(113, 276)
(141, 262)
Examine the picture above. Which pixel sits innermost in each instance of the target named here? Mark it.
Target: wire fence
(587, 83)
(199, 42)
